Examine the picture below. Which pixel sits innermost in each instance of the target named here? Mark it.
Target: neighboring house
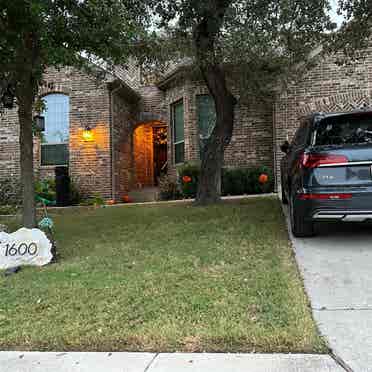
(117, 134)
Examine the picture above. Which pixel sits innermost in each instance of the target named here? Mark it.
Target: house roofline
(178, 71)
(125, 90)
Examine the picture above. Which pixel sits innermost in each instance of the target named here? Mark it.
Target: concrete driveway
(337, 269)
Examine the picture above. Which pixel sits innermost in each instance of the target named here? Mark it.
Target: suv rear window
(346, 129)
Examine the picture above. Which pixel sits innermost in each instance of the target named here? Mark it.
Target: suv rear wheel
(300, 227)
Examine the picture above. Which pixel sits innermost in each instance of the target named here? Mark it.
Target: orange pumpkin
(186, 179)
(263, 178)
(126, 199)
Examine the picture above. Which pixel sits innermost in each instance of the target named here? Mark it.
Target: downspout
(111, 101)
(275, 158)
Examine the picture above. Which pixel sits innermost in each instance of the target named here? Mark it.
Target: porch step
(147, 194)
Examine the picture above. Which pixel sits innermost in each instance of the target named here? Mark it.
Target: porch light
(39, 123)
(88, 134)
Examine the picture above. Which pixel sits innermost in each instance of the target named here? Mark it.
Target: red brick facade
(328, 87)
(114, 161)
(252, 139)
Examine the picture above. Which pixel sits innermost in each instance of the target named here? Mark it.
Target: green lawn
(163, 278)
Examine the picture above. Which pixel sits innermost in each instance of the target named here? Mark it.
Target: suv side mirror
(285, 147)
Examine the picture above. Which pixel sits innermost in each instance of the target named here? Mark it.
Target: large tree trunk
(27, 164)
(209, 187)
(28, 76)
(205, 34)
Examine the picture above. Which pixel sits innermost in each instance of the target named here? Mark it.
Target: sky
(335, 17)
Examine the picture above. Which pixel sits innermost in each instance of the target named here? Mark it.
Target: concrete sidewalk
(177, 362)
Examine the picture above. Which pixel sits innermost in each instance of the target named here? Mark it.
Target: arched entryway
(149, 153)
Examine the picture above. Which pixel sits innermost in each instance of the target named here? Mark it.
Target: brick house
(116, 133)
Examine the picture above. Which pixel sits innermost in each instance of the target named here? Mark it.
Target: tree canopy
(36, 34)
(40, 33)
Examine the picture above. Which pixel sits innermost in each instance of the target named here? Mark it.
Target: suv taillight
(316, 160)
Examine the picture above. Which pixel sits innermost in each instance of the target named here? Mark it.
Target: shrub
(168, 188)
(10, 192)
(239, 181)
(188, 178)
(254, 186)
(46, 189)
(95, 200)
(8, 210)
(234, 181)
(76, 196)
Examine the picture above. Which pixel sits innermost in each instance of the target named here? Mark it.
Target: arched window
(54, 143)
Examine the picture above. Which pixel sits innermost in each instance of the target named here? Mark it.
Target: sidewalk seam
(151, 362)
(340, 362)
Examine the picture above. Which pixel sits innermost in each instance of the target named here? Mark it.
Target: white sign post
(24, 247)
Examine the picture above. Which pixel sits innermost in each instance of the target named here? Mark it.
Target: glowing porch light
(88, 134)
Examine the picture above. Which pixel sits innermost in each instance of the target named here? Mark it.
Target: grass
(163, 278)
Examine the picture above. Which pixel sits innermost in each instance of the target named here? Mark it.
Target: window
(206, 116)
(54, 142)
(342, 130)
(178, 132)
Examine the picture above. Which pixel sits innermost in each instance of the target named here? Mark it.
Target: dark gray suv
(326, 174)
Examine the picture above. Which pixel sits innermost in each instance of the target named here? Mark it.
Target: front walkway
(149, 362)
(337, 269)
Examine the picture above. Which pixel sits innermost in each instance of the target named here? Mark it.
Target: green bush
(8, 210)
(233, 181)
(188, 178)
(10, 192)
(46, 189)
(240, 181)
(95, 200)
(76, 196)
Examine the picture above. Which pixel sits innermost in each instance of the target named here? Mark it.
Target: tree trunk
(205, 33)
(209, 187)
(29, 72)
(26, 148)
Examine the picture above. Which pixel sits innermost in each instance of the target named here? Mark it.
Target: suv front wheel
(300, 227)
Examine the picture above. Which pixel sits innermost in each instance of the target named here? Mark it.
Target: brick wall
(252, 139)
(152, 106)
(89, 163)
(113, 119)
(124, 117)
(328, 87)
(9, 145)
